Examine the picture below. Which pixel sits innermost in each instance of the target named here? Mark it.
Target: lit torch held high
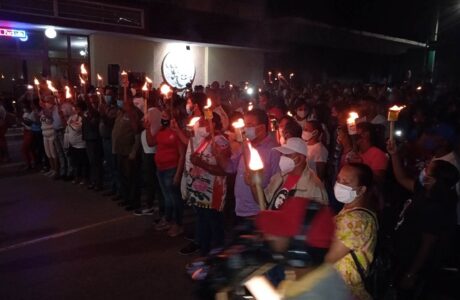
(352, 130)
(37, 85)
(256, 170)
(124, 84)
(191, 132)
(393, 114)
(208, 116)
(145, 89)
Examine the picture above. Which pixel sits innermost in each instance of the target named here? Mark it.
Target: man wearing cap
(295, 176)
(290, 193)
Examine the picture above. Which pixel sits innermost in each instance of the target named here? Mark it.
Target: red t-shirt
(375, 158)
(167, 155)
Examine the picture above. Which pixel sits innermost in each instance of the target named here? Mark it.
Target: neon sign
(21, 34)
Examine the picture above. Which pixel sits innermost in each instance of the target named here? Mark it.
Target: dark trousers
(130, 179)
(150, 182)
(174, 205)
(94, 152)
(27, 150)
(210, 229)
(111, 164)
(79, 161)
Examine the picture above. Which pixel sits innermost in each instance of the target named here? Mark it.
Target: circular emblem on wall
(178, 69)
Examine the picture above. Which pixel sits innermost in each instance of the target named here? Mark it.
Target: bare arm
(401, 176)
(336, 252)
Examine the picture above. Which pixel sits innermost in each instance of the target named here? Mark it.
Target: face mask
(308, 135)
(133, 92)
(251, 133)
(189, 109)
(344, 193)
(108, 99)
(286, 164)
(301, 114)
(165, 123)
(201, 132)
(120, 103)
(139, 103)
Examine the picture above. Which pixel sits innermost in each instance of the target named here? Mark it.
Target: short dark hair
(364, 174)
(217, 121)
(199, 99)
(261, 116)
(445, 172)
(292, 127)
(316, 126)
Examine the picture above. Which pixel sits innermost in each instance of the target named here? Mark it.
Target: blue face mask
(120, 103)
(108, 99)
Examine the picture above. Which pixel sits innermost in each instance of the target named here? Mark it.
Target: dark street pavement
(61, 241)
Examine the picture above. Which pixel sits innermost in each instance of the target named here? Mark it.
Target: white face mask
(301, 114)
(201, 132)
(189, 109)
(344, 193)
(139, 103)
(286, 164)
(250, 133)
(133, 92)
(307, 135)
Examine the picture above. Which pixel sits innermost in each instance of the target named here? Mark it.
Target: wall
(161, 49)
(211, 63)
(130, 53)
(235, 65)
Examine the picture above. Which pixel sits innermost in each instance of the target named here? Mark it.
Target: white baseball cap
(293, 145)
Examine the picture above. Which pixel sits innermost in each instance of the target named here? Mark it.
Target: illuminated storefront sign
(21, 34)
(178, 69)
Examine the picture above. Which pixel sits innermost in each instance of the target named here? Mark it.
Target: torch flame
(269, 73)
(148, 80)
(419, 88)
(238, 123)
(208, 104)
(250, 106)
(352, 117)
(68, 95)
(36, 82)
(397, 108)
(145, 88)
(82, 81)
(50, 86)
(279, 74)
(193, 121)
(123, 73)
(289, 113)
(83, 69)
(255, 162)
(99, 77)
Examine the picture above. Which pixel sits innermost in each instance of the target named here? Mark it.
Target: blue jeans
(174, 205)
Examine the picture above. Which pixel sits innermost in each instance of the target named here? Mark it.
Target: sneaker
(191, 248)
(162, 225)
(175, 230)
(138, 212)
(148, 211)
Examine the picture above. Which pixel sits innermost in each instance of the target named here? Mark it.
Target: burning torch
(256, 170)
(352, 131)
(393, 114)
(124, 84)
(191, 132)
(208, 116)
(37, 85)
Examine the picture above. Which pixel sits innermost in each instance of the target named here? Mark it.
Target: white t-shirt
(316, 153)
(74, 132)
(145, 146)
(452, 158)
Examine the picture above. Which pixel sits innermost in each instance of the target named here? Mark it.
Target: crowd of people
(353, 188)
